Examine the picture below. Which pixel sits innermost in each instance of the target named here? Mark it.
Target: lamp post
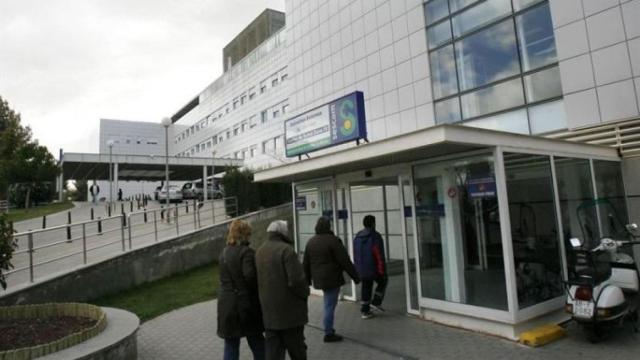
(110, 143)
(213, 175)
(166, 122)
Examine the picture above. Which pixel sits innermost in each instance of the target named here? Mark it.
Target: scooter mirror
(575, 242)
(632, 227)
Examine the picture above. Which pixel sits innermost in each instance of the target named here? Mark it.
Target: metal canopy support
(204, 183)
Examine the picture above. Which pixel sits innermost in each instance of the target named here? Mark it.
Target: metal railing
(45, 251)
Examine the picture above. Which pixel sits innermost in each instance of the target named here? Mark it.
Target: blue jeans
(232, 347)
(330, 302)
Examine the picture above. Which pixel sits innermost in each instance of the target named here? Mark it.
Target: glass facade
(459, 239)
(534, 228)
(491, 57)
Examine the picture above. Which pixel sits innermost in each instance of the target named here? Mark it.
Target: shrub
(7, 247)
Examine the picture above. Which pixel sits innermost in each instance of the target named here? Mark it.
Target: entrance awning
(140, 167)
(423, 144)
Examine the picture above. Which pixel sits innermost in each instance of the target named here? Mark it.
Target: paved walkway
(189, 333)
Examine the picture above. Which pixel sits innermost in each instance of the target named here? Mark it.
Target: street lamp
(110, 143)
(213, 175)
(166, 122)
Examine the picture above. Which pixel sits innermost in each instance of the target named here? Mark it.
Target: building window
(228, 134)
(284, 77)
(235, 132)
(243, 98)
(243, 127)
(276, 113)
(263, 87)
(274, 82)
(486, 60)
(252, 95)
(263, 116)
(285, 108)
(252, 152)
(253, 121)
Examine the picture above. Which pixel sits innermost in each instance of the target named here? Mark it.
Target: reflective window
(487, 56)
(547, 117)
(612, 203)
(479, 15)
(535, 34)
(448, 111)
(534, 230)
(439, 34)
(459, 239)
(575, 192)
(543, 85)
(456, 5)
(498, 97)
(512, 121)
(443, 72)
(435, 10)
(522, 4)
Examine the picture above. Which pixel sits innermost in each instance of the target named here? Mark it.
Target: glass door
(311, 201)
(410, 254)
(343, 230)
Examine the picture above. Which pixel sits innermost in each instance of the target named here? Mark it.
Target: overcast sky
(64, 64)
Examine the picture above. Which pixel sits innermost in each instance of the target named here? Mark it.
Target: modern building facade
(565, 69)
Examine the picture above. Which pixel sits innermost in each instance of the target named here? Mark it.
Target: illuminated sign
(337, 122)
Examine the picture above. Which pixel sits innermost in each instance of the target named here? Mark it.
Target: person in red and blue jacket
(369, 260)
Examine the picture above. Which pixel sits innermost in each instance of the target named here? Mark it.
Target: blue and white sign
(482, 187)
(337, 122)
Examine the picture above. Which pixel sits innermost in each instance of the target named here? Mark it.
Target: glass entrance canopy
(476, 222)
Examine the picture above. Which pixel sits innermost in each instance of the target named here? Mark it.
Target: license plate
(583, 308)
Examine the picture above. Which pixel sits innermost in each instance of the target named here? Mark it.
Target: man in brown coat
(283, 291)
(325, 259)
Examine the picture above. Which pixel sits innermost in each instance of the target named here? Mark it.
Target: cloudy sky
(64, 64)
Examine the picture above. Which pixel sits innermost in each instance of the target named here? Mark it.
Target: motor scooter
(603, 289)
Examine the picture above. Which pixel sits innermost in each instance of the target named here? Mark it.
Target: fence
(45, 251)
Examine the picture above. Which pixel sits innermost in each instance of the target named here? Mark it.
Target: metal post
(110, 174)
(213, 212)
(92, 214)
(99, 226)
(44, 221)
(195, 219)
(69, 226)
(155, 224)
(146, 219)
(122, 232)
(30, 257)
(166, 122)
(176, 215)
(130, 242)
(84, 243)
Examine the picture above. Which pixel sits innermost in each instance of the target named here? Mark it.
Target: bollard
(124, 218)
(122, 208)
(161, 213)
(131, 206)
(68, 226)
(92, 214)
(109, 210)
(187, 207)
(44, 221)
(99, 226)
(145, 215)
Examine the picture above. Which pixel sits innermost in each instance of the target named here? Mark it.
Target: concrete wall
(143, 265)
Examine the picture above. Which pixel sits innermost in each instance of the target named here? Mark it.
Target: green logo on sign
(347, 118)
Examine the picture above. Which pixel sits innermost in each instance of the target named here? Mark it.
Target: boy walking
(369, 260)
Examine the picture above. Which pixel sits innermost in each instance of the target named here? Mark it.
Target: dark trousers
(232, 347)
(289, 340)
(378, 296)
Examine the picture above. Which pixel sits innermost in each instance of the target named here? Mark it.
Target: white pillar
(115, 178)
(205, 189)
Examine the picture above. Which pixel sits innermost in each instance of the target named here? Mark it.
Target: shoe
(377, 308)
(332, 338)
(367, 315)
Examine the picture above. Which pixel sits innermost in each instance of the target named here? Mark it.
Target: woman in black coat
(239, 313)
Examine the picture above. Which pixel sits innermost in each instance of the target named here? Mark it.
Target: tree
(7, 245)
(253, 196)
(32, 165)
(12, 137)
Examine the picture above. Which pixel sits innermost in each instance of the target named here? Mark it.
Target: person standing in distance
(325, 258)
(94, 190)
(239, 313)
(369, 259)
(283, 291)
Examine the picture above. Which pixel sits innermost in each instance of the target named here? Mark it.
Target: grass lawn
(16, 215)
(158, 297)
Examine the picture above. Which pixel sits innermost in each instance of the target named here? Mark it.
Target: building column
(204, 183)
(115, 179)
(60, 185)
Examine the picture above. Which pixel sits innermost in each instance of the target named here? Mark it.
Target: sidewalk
(189, 333)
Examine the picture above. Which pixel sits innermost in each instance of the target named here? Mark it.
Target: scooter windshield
(599, 219)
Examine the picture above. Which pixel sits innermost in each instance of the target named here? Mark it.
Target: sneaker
(332, 338)
(367, 315)
(377, 308)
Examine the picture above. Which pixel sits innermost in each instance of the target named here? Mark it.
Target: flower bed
(29, 331)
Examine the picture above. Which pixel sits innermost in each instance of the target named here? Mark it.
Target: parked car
(193, 190)
(175, 194)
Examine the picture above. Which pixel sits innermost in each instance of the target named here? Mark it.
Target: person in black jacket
(283, 294)
(325, 258)
(239, 313)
